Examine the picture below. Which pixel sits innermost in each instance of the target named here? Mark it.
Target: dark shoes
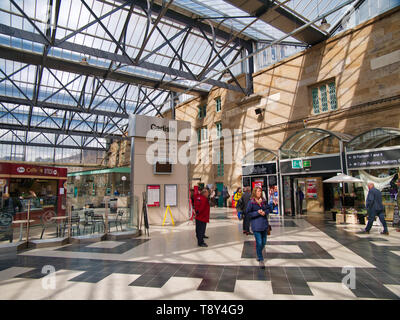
(362, 231)
(247, 233)
(203, 245)
(385, 233)
(205, 237)
(261, 264)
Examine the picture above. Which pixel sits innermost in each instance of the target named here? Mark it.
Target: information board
(153, 195)
(170, 195)
(377, 158)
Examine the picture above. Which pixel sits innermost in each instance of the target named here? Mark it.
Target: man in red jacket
(202, 208)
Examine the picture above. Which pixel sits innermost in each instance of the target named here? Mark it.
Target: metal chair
(98, 221)
(75, 221)
(117, 221)
(88, 221)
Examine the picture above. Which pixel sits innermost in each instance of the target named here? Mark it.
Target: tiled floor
(306, 258)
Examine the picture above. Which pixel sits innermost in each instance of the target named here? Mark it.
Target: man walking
(375, 208)
(202, 208)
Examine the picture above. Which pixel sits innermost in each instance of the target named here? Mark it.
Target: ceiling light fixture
(325, 25)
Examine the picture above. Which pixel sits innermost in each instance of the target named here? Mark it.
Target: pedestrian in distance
(236, 196)
(258, 209)
(202, 209)
(375, 208)
(242, 205)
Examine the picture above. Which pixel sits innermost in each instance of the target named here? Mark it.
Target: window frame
(326, 101)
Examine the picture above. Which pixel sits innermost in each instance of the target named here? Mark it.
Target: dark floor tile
(158, 281)
(33, 274)
(184, 270)
(261, 275)
(281, 290)
(142, 281)
(301, 290)
(226, 285)
(208, 284)
(245, 273)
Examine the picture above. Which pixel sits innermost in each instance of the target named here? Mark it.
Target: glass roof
(259, 155)
(304, 143)
(212, 9)
(71, 75)
(375, 138)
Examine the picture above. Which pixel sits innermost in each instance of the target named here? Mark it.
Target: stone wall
(364, 62)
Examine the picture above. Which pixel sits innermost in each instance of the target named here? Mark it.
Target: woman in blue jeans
(258, 210)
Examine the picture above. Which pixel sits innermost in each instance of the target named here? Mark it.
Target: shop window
(202, 112)
(324, 97)
(218, 104)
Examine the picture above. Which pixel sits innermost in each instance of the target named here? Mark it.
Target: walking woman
(258, 210)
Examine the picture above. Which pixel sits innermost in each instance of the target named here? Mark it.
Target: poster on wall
(257, 183)
(312, 188)
(153, 195)
(170, 195)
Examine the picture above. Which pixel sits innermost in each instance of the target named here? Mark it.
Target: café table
(58, 220)
(21, 222)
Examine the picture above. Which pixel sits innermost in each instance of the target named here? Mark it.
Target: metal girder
(186, 20)
(26, 57)
(34, 144)
(280, 18)
(63, 107)
(218, 55)
(61, 131)
(91, 70)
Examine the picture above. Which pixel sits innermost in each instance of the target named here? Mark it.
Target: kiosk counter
(44, 186)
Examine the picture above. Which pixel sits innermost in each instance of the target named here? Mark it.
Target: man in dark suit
(375, 208)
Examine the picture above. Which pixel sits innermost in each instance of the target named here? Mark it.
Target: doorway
(220, 187)
(299, 191)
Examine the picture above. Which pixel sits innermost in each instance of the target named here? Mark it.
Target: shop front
(43, 188)
(374, 156)
(90, 188)
(307, 158)
(259, 169)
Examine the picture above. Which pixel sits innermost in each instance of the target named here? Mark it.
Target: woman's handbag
(269, 230)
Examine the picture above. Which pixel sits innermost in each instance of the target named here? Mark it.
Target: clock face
(5, 219)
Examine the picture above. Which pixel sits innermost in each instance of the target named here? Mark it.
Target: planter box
(339, 218)
(351, 218)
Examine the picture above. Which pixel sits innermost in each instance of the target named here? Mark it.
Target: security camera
(259, 111)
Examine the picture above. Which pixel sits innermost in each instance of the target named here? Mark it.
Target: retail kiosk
(44, 187)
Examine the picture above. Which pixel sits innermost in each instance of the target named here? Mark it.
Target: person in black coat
(375, 208)
(243, 202)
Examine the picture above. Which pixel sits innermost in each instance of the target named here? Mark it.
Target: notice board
(153, 195)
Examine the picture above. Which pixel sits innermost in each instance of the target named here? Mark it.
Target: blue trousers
(371, 218)
(261, 240)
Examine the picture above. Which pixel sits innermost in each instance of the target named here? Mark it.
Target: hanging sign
(297, 164)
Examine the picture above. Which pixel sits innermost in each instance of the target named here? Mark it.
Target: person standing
(375, 208)
(236, 196)
(225, 195)
(202, 208)
(258, 210)
(8, 204)
(300, 197)
(242, 203)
